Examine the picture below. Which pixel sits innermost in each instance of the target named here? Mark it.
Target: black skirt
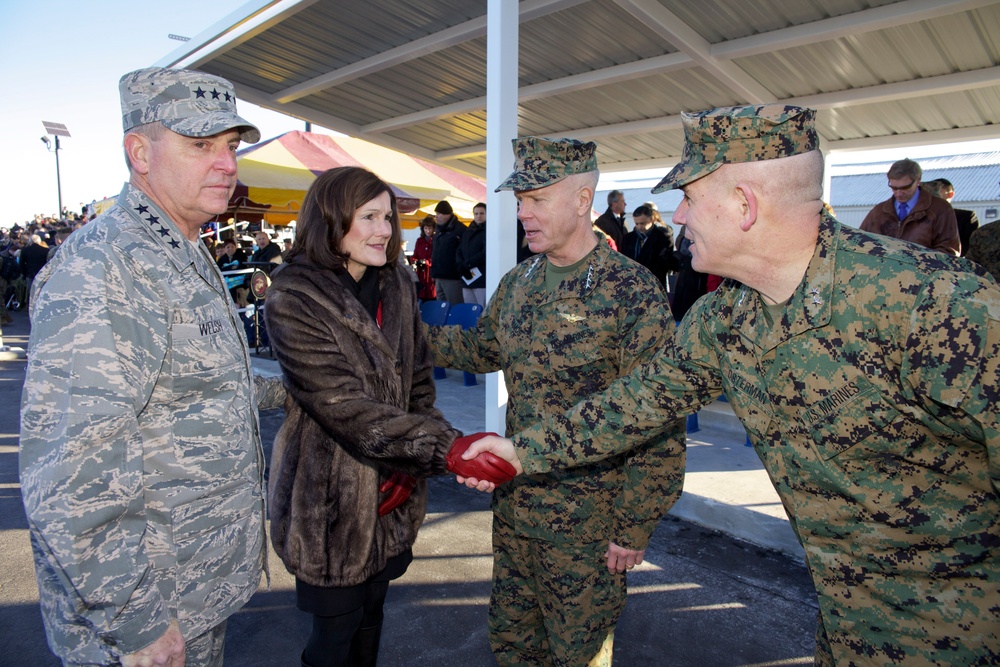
(337, 600)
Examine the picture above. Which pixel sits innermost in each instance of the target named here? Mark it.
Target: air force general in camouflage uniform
(141, 460)
(867, 374)
(561, 326)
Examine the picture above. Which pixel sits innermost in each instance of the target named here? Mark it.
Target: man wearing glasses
(912, 214)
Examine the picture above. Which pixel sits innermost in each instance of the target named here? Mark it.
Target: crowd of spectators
(24, 250)
(450, 257)
(440, 267)
(26, 247)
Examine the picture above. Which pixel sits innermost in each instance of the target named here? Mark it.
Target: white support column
(501, 208)
(827, 177)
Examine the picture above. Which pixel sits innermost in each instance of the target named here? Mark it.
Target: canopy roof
(277, 172)
(412, 76)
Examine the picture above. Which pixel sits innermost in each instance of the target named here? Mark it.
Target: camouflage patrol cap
(539, 162)
(740, 134)
(188, 102)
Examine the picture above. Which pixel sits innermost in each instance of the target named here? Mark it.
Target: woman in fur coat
(361, 431)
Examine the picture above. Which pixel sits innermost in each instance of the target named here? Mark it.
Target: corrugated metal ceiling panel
(972, 184)
(451, 75)
(583, 37)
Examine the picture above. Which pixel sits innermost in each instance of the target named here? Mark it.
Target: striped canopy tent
(276, 173)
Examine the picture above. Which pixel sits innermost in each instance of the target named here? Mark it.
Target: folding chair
(435, 314)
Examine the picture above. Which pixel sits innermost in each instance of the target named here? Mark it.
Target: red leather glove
(399, 487)
(487, 466)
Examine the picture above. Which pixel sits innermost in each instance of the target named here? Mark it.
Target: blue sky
(60, 61)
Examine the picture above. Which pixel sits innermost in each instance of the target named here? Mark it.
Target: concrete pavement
(701, 598)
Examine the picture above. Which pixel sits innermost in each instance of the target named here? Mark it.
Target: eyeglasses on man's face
(900, 188)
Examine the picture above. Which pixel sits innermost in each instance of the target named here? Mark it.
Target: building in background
(856, 188)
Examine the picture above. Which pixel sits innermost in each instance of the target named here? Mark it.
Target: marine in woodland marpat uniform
(561, 326)
(141, 461)
(984, 248)
(867, 374)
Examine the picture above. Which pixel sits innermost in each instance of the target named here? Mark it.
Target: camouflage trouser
(552, 603)
(205, 650)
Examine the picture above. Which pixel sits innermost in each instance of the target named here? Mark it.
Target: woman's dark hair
(328, 212)
(643, 210)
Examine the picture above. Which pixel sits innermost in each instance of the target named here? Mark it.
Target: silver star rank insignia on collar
(816, 300)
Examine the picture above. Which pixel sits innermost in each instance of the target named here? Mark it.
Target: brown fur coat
(360, 405)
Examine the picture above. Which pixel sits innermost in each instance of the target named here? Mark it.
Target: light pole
(56, 130)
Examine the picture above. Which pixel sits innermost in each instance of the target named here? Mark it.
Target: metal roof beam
(463, 32)
(955, 135)
(237, 27)
(585, 134)
(867, 20)
(842, 146)
(902, 90)
(946, 83)
(908, 11)
(260, 98)
(661, 20)
(633, 70)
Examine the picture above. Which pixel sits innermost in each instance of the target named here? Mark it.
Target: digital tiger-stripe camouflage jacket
(141, 461)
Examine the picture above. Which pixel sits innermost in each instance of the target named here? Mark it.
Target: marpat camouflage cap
(186, 101)
(539, 162)
(740, 134)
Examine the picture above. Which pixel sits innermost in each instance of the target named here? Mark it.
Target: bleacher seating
(435, 314)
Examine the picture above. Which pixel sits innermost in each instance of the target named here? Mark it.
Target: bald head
(786, 187)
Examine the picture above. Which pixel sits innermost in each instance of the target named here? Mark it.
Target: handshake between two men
(478, 469)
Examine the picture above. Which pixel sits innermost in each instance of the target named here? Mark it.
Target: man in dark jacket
(33, 258)
(266, 251)
(445, 271)
(232, 259)
(912, 214)
(472, 257)
(649, 244)
(968, 221)
(612, 221)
